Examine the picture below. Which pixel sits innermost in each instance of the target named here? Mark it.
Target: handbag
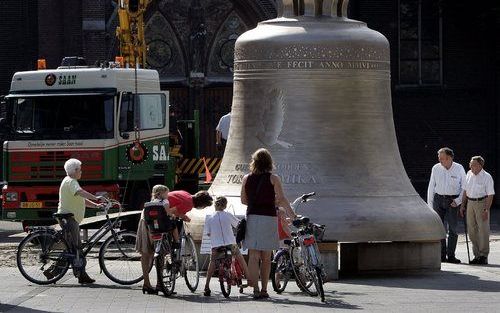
(240, 230)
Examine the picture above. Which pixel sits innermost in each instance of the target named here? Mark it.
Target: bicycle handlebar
(307, 196)
(304, 198)
(109, 203)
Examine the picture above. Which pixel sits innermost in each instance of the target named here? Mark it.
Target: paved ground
(456, 288)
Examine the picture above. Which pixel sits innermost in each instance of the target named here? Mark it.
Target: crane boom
(130, 32)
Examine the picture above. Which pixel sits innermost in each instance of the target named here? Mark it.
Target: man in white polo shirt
(444, 195)
(477, 198)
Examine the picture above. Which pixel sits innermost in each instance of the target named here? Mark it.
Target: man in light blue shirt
(444, 195)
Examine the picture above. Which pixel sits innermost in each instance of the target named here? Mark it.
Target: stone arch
(165, 53)
(221, 56)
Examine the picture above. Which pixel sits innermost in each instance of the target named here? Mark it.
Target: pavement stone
(456, 288)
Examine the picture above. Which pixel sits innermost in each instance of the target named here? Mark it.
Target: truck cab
(113, 119)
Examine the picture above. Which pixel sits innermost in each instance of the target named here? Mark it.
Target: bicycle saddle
(62, 215)
(223, 249)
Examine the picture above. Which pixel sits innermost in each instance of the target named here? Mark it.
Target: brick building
(444, 62)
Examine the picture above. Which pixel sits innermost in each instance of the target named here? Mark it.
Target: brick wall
(94, 30)
(462, 113)
(18, 30)
(51, 31)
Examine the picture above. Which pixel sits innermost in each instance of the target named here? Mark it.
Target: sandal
(264, 294)
(256, 294)
(207, 292)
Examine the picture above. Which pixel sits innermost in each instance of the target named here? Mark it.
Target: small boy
(219, 227)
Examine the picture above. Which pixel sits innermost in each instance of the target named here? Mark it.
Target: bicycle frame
(165, 242)
(232, 268)
(108, 226)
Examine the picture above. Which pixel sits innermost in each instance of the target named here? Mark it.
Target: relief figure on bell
(272, 119)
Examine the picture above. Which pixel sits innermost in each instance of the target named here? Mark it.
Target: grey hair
(71, 165)
(446, 151)
(479, 159)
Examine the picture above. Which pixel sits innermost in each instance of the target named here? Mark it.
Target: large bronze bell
(313, 87)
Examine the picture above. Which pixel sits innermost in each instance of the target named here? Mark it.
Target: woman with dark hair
(262, 192)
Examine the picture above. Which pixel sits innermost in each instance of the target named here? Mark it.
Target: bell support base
(330, 259)
(356, 258)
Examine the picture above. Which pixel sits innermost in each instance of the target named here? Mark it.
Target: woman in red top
(179, 203)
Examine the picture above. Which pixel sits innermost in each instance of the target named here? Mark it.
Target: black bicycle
(44, 256)
(172, 261)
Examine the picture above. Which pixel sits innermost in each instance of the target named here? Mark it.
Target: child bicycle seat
(157, 220)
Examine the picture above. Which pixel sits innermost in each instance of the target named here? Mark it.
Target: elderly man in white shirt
(478, 197)
(444, 195)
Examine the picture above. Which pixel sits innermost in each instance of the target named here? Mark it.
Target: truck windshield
(63, 117)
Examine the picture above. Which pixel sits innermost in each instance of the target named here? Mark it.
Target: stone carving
(197, 49)
(273, 117)
(164, 51)
(221, 60)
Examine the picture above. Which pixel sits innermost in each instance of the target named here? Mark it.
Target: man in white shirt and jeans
(444, 195)
(477, 198)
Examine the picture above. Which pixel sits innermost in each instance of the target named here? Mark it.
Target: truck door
(142, 139)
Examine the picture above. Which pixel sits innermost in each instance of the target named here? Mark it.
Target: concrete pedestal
(330, 258)
(390, 256)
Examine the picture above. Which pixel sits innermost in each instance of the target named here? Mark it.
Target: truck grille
(49, 165)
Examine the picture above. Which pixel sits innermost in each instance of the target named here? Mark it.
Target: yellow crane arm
(130, 32)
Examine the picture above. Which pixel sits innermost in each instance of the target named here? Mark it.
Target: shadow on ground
(333, 300)
(15, 308)
(444, 280)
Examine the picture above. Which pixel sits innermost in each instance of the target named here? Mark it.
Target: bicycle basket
(319, 232)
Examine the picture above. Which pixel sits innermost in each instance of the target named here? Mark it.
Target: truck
(112, 118)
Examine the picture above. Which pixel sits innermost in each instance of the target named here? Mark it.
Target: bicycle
(294, 260)
(306, 238)
(45, 248)
(282, 263)
(229, 270)
(172, 262)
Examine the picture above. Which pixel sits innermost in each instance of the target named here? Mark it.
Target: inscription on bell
(311, 65)
(290, 173)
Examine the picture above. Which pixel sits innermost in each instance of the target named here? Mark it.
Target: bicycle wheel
(42, 258)
(281, 271)
(318, 282)
(165, 273)
(303, 277)
(224, 277)
(190, 263)
(118, 259)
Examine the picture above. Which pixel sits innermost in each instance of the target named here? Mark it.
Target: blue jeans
(449, 217)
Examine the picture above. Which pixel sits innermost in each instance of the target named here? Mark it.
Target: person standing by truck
(72, 200)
